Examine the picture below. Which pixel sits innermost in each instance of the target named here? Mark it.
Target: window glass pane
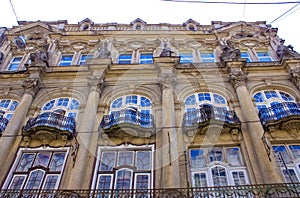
(131, 99)
(263, 56)
(63, 102)
(259, 97)
(186, 57)
(49, 105)
(219, 176)
(207, 57)
(51, 181)
(215, 154)
(117, 103)
(271, 94)
(234, 156)
(290, 175)
(219, 99)
(197, 158)
(239, 178)
(145, 102)
(142, 182)
(281, 154)
(104, 182)
(125, 158)
(125, 59)
(123, 180)
(4, 103)
(13, 106)
(25, 162)
(57, 161)
(204, 96)
(191, 100)
(83, 59)
(246, 56)
(42, 159)
(66, 60)
(74, 104)
(286, 96)
(13, 67)
(35, 179)
(107, 162)
(17, 182)
(200, 180)
(146, 58)
(295, 149)
(143, 160)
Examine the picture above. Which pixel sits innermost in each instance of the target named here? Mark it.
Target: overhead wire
(238, 3)
(285, 13)
(13, 9)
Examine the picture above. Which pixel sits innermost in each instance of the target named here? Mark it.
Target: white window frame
(62, 62)
(9, 178)
(19, 63)
(207, 59)
(145, 60)
(125, 61)
(7, 109)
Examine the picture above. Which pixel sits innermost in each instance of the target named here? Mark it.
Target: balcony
(281, 115)
(51, 125)
(130, 121)
(209, 115)
(253, 191)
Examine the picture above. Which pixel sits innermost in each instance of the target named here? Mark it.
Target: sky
(154, 12)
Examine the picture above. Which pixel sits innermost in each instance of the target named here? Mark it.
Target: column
(169, 142)
(78, 177)
(31, 87)
(268, 169)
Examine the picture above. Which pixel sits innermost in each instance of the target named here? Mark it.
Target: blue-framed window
(66, 60)
(207, 56)
(8, 106)
(186, 57)
(246, 56)
(125, 59)
(85, 57)
(146, 58)
(264, 56)
(14, 63)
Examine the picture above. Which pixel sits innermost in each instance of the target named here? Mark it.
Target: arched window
(217, 166)
(7, 107)
(69, 105)
(194, 101)
(137, 102)
(267, 98)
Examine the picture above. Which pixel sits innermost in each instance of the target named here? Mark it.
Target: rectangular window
(37, 169)
(263, 56)
(120, 167)
(146, 58)
(125, 59)
(186, 57)
(85, 57)
(14, 63)
(207, 169)
(207, 57)
(246, 56)
(66, 60)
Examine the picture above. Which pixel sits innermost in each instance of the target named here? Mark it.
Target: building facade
(148, 110)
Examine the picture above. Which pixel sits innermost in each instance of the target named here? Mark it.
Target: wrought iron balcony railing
(51, 120)
(253, 191)
(3, 124)
(130, 116)
(279, 111)
(207, 112)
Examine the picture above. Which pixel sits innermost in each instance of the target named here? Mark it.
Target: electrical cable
(13, 9)
(237, 3)
(285, 13)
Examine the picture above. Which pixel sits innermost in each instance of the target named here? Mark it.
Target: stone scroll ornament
(238, 78)
(31, 85)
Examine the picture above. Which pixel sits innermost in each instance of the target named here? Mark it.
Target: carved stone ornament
(167, 80)
(229, 52)
(238, 78)
(31, 85)
(295, 77)
(286, 51)
(166, 52)
(104, 51)
(1, 58)
(95, 83)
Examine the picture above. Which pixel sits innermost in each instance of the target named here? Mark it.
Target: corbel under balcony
(209, 118)
(49, 126)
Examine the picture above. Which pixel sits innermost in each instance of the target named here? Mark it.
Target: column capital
(31, 86)
(167, 80)
(95, 83)
(238, 78)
